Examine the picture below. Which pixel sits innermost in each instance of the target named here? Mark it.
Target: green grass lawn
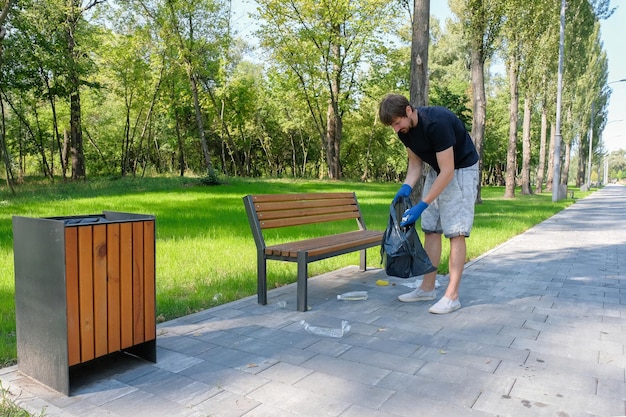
(205, 254)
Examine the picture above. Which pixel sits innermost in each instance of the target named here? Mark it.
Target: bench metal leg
(363, 265)
(261, 278)
(302, 281)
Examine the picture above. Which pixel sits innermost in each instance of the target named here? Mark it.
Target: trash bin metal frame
(83, 291)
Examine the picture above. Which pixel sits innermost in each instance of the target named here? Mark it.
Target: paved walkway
(542, 333)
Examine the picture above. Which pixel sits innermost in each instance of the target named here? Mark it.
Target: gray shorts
(452, 212)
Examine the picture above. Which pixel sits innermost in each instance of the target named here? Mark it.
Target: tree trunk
(76, 133)
(10, 180)
(511, 159)
(526, 188)
(199, 122)
(479, 103)
(230, 144)
(126, 140)
(581, 169)
(550, 177)
(3, 148)
(334, 124)
(333, 142)
(181, 146)
(566, 162)
(419, 53)
(420, 37)
(365, 175)
(542, 148)
(55, 126)
(3, 15)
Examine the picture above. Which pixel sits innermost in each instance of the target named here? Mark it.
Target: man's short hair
(391, 107)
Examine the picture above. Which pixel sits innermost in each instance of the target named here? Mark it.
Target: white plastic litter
(353, 296)
(326, 331)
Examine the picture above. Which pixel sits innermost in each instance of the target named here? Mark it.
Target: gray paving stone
(234, 380)
(563, 364)
(174, 361)
(285, 373)
(459, 358)
(562, 397)
(407, 405)
(555, 378)
(382, 344)
(329, 347)
(344, 389)
(510, 406)
(142, 404)
(413, 390)
(353, 371)
(225, 404)
(383, 360)
(237, 359)
(361, 411)
(299, 400)
(265, 410)
(484, 381)
(184, 344)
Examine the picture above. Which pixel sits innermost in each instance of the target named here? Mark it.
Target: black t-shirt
(438, 129)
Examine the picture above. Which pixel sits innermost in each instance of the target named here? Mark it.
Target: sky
(612, 33)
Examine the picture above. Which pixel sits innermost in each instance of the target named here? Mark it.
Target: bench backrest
(266, 211)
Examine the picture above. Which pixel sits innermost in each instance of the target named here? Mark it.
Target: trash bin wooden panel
(113, 286)
(107, 276)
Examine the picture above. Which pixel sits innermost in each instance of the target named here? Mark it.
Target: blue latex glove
(404, 191)
(411, 215)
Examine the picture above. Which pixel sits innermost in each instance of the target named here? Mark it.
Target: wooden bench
(268, 211)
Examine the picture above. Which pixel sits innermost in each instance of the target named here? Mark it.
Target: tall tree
(4, 12)
(537, 56)
(481, 20)
(198, 30)
(325, 45)
(74, 15)
(520, 39)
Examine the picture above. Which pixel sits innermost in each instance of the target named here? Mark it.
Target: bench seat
(270, 211)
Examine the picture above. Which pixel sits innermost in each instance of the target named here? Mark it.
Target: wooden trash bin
(84, 288)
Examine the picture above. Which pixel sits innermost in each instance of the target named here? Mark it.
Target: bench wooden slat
(300, 211)
(267, 211)
(335, 204)
(325, 244)
(260, 198)
(302, 220)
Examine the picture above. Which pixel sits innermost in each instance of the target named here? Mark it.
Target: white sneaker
(417, 295)
(445, 306)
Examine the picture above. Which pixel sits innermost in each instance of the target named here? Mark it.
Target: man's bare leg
(456, 265)
(432, 246)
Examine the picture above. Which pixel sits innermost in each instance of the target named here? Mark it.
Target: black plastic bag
(401, 250)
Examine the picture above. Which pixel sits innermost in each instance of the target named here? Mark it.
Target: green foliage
(138, 62)
(9, 409)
